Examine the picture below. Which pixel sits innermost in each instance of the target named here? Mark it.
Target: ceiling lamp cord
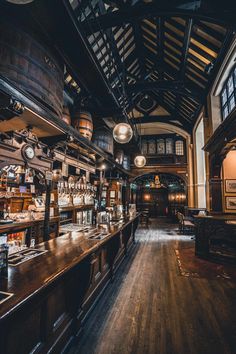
(140, 160)
(123, 132)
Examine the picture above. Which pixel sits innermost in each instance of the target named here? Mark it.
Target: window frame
(226, 109)
(179, 151)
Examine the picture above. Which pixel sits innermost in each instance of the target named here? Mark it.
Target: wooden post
(47, 210)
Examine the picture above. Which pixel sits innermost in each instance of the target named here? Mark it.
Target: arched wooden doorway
(161, 194)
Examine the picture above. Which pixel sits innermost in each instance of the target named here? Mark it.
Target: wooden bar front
(216, 236)
(54, 292)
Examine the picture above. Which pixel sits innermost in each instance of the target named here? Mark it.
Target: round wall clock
(28, 152)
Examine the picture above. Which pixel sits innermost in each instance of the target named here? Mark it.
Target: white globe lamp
(122, 133)
(140, 161)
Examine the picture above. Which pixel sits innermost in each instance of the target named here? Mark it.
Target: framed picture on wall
(230, 185)
(230, 203)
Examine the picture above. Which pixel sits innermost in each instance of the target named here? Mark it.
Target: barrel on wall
(82, 121)
(103, 139)
(31, 66)
(66, 115)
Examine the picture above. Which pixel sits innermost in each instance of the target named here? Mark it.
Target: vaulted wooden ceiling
(156, 53)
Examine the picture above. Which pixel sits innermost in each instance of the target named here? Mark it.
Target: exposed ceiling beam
(165, 85)
(187, 125)
(139, 46)
(160, 8)
(187, 37)
(157, 119)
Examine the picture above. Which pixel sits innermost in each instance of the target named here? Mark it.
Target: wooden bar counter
(216, 236)
(54, 292)
(34, 228)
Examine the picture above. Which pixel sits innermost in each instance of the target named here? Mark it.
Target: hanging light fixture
(140, 161)
(20, 2)
(122, 133)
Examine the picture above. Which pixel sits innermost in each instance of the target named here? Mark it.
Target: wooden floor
(151, 309)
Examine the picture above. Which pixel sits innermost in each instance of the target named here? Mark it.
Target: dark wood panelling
(151, 309)
(54, 293)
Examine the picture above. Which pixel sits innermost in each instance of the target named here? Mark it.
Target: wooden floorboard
(151, 309)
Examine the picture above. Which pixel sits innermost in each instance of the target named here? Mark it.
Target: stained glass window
(160, 146)
(179, 147)
(144, 147)
(152, 147)
(169, 146)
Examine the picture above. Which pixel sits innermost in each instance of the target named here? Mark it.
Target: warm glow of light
(20, 2)
(140, 161)
(122, 133)
(147, 197)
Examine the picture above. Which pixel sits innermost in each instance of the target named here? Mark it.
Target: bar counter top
(221, 217)
(63, 253)
(23, 224)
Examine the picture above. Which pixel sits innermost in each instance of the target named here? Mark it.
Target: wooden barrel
(119, 156)
(82, 121)
(126, 162)
(103, 139)
(31, 66)
(66, 115)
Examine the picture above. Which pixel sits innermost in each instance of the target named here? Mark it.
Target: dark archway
(161, 194)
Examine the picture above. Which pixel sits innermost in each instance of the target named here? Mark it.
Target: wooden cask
(82, 121)
(31, 66)
(66, 115)
(103, 139)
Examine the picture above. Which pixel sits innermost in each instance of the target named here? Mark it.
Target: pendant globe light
(20, 2)
(140, 160)
(122, 133)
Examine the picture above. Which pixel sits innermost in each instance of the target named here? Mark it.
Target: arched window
(169, 146)
(144, 147)
(179, 147)
(152, 147)
(228, 95)
(160, 146)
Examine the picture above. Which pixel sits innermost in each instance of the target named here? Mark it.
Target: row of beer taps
(76, 191)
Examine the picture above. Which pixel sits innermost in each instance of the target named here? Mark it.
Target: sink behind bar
(23, 256)
(98, 236)
(4, 296)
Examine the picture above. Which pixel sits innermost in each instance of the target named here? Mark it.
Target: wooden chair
(185, 224)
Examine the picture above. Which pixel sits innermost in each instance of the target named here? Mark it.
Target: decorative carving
(23, 147)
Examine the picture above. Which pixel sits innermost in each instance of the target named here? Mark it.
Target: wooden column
(215, 183)
(47, 210)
